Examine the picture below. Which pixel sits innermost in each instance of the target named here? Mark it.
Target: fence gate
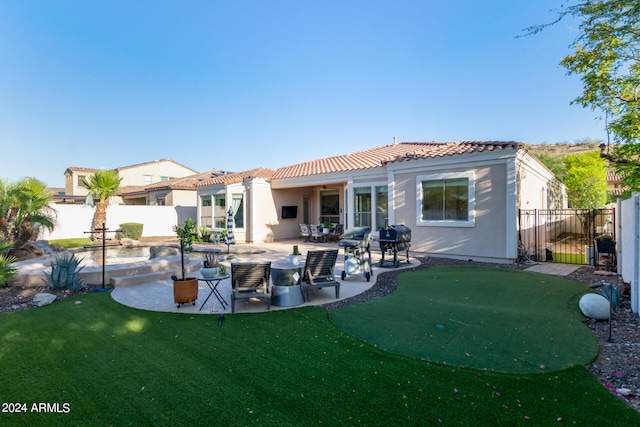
(563, 235)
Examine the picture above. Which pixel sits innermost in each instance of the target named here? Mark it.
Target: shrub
(130, 230)
(64, 273)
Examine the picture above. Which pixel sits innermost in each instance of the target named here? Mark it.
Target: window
(362, 207)
(382, 206)
(164, 178)
(81, 179)
(446, 199)
(147, 179)
(205, 201)
(220, 211)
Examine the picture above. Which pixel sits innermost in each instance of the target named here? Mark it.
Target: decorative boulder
(43, 299)
(594, 306)
(162, 251)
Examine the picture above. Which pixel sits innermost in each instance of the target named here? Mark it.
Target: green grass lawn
(73, 243)
(569, 258)
(113, 365)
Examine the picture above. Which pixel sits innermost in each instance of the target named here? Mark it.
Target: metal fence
(563, 235)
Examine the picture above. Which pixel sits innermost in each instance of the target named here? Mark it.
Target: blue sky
(235, 85)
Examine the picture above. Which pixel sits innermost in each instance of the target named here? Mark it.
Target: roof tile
(236, 177)
(379, 156)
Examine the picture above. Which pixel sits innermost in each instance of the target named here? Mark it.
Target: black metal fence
(563, 235)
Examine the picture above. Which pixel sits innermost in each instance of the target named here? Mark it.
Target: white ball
(594, 306)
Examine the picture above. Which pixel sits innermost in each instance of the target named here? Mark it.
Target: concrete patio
(157, 295)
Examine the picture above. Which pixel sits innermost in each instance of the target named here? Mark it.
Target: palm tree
(102, 185)
(24, 209)
(8, 271)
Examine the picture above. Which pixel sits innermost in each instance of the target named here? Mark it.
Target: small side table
(286, 290)
(213, 283)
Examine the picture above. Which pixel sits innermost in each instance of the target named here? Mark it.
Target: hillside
(562, 149)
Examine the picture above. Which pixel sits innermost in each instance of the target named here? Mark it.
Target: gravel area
(617, 365)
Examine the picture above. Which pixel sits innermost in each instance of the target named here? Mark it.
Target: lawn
(106, 364)
(73, 243)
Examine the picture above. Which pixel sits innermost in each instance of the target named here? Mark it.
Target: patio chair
(337, 231)
(305, 233)
(250, 280)
(318, 271)
(316, 234)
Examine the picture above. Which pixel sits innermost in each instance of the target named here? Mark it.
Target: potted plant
(295, 256)
(211, 266)
(326, 227)
(605, 250)
(605, 244)
(185, 289)
(205, 234)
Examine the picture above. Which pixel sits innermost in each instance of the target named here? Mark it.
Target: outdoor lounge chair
(316, 234)
(250, 280)
(318, 271)
(305, 233)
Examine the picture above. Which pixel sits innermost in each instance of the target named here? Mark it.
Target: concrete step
(152, 275)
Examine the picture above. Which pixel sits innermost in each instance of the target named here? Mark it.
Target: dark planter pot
(605, 246)
(185, 291)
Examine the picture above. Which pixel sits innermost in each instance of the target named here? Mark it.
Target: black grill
(394, 239)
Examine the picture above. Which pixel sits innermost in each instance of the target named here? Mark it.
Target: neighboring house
(460, 199)
(615, 185)
(173, 192)
(248, 194)
(135, 175)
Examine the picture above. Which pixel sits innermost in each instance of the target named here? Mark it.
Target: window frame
(470, 222)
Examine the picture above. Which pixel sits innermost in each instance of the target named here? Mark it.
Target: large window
(446, 198)
(362, 206)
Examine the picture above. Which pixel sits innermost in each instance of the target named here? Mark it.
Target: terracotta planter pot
(185, 291)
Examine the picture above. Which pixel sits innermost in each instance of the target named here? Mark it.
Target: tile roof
(184, 183)
(80, 169)
(236, 177)
(118, 169)
(379, 156)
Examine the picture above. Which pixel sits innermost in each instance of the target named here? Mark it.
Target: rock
(160, 251)
(623, 391)
(28, 251)
(127, 242)
(43, 299)
(594, 306)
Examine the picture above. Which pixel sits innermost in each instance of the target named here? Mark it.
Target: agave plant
(64, 273)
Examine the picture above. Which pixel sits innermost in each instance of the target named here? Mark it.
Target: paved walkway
(554, 268)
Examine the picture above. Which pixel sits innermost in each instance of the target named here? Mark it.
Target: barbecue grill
(394, 239)
(357, 252)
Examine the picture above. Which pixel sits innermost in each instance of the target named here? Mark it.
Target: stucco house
(460, 199)
(139, 175)
(172, 192)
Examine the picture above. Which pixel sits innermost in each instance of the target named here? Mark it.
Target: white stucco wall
(74, 220)
(628, 245)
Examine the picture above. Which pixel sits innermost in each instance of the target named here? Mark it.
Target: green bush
(130, 230)
(64, 273)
